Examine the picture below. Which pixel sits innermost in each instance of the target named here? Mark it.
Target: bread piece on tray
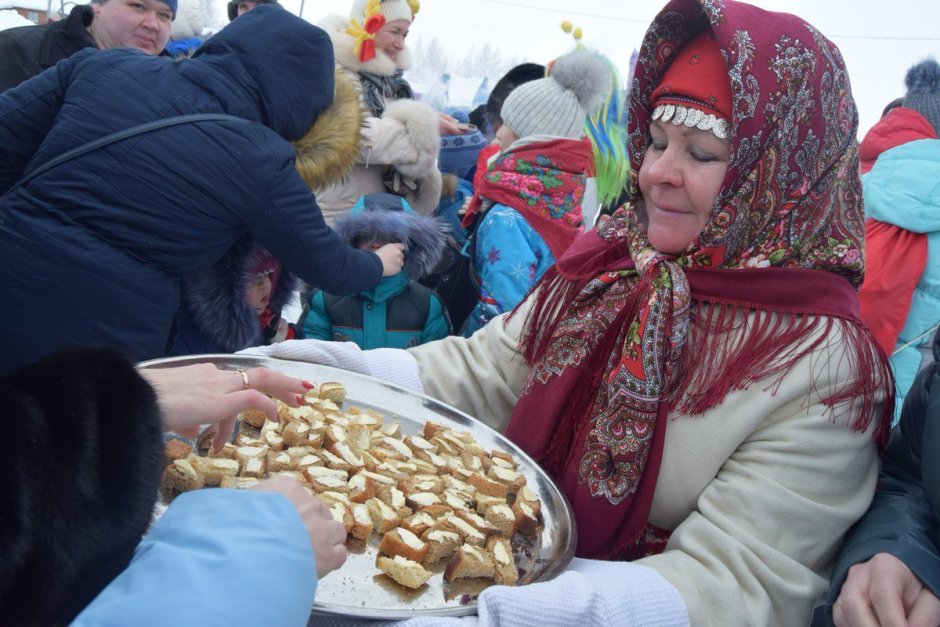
(441, 544)
(402, 542)
(177, 449)
(214, 468)
(180, 476)
(470, 561)
(403, 571)
(505, 572)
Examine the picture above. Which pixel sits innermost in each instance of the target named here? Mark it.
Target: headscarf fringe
(730, 349)
(539, 326)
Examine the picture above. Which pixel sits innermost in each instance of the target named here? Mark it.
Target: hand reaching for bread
(327, 536)
(199, 394)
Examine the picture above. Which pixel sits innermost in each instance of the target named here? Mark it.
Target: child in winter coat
(235, 304)
(399, 312)
(527, 208)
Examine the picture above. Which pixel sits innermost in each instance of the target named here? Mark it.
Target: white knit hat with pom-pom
(558, 105)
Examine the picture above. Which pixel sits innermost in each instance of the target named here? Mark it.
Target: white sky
(879, 39)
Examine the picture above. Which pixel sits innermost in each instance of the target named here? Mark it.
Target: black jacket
(28, 50)
(93, 251)
(903, 517)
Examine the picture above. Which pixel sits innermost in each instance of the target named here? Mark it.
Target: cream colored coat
(406, 138)
(758, 491)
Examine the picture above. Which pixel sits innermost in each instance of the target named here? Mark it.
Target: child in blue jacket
(526, 210)
(399, 312)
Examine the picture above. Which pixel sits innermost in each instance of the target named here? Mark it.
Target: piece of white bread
(214, 468)
(403, 571)
(332, 391)
(402, 542)
(239, 483)
(504, 563)
(362, 521)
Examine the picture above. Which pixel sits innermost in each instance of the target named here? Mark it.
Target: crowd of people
(730, 376)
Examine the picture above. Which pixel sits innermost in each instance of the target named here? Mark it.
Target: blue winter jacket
(509, 257)
(903, 189)
(92, 251)
(376, 316)
(216, 557)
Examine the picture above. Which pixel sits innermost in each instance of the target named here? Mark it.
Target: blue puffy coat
(509, 257)
(93, 250)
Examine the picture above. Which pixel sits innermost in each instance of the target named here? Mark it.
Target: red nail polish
(300, 399)
(307, 385)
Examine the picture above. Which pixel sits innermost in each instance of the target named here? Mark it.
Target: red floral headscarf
(779, 260)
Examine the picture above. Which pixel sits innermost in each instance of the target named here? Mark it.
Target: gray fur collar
(423, 236)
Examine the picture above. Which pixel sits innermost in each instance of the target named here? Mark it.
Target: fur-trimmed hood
(344, 45)
(388, 218)
(214, 301)
(329, 150)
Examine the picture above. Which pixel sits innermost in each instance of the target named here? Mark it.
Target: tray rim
(227, 361)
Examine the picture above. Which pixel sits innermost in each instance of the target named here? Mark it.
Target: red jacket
(899, 126)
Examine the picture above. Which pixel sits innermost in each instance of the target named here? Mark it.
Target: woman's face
(679, 180)
(391, 37)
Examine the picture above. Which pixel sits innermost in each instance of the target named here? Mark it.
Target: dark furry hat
(923, 91)
(389, 218)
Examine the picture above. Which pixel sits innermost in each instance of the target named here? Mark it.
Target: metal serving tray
(358, 588)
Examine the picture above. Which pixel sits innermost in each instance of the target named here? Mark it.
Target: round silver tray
(358, 588)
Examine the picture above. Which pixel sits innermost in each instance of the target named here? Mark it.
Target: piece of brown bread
(177, 449)
(181, 476)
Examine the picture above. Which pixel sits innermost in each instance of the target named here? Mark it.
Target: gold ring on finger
(244, 376)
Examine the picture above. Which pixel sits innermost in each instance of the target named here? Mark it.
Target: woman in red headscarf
(694, 373)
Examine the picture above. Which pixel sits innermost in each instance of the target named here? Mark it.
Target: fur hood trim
(329, 150)
(343, 49)
(423, 236)
(215, 298)
(428, 196)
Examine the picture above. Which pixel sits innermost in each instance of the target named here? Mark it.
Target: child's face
(258, 293)
(505, 137)
(371, 244)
